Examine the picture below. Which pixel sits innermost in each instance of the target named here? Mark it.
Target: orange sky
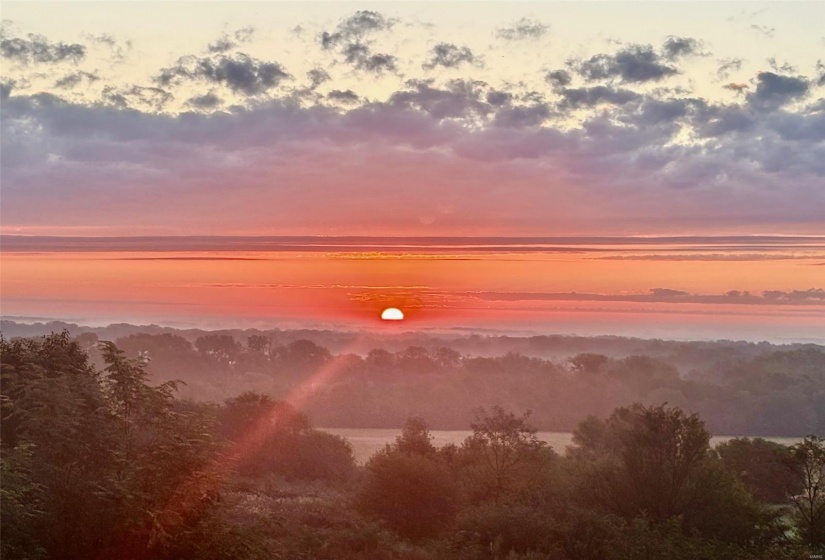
(601, 291)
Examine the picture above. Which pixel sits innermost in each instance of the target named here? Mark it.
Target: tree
(655, 462)
(761, 465)
(159, 450)
(259, 344)
(221, 348)
(447, 358)
(502, 454)
(276, 438)
(806, 467)
(381, 360)
(20, 506)
(414, 494)
(56, 444)
(415, 438)
(587, 364)
(302, 356)
(97, 456)
(414, 359)
(243, 413)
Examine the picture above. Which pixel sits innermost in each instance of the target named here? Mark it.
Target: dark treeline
(99, 462)
(738, 388)
(682, 353)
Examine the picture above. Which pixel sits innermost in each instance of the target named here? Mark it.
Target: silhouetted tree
(223, 349)
(502, 454)
(414, 494)
(806, 467)
(415, 438)
(761, 465)
(655, 462)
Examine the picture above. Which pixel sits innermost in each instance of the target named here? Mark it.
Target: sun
(392, 314)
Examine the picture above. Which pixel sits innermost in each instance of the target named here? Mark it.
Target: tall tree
(806, 467)
(502, 454)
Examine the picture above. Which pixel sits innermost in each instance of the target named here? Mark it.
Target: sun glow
(392, 314)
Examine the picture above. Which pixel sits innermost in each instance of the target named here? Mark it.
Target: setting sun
(392, 314)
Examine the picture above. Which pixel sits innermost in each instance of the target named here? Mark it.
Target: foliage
(414, 494)
(100, 461)
(502, 455)
(415, 438)
(761, 466)
(491, 531)
(655, 462)
(20, 506)
(272, 437)
(806, 467)
(106, 450)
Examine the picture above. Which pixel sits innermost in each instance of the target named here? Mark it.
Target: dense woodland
(100, 459)
(378, 381)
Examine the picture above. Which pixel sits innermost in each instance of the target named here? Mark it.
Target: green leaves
(104, 451)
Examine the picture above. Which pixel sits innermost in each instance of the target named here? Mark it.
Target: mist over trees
(103, 462)
(737, 387)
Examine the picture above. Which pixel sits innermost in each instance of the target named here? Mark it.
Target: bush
(490, 531)
(414, 495)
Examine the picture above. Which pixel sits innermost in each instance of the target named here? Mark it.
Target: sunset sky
(650, 168)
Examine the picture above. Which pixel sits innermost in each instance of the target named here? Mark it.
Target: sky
(562, 133)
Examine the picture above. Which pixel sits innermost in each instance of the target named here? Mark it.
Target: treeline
(770, 393)
(101, 463)
(552, 346)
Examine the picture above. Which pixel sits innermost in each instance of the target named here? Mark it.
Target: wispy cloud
(814, 296)
(369, 247)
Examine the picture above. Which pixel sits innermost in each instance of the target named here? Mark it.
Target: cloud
(431, 156)
(37, 49)
(708, 257)
(361, 58)
(205, 102)
(521, 116)
(525, 28)
(395, 247)
(763, 30)
(226, 42)
(318, 76)
(727, 66)
(347, 97)
(6, 87)
(737, 88)
(666, 295)
(558, 78)
(459, 100)
(69, 81)
(118, 50)
(820, 68)
(222, 45)
(244, 34)
(774, 90)
(634, 64)
(679, 47)
(240, 73)
(498, 98)
(355, 28)
(667, 292)
(813, 294)
(589, 97)
(351, 39)
(715, 121)
(124, 98)
(448, 55)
